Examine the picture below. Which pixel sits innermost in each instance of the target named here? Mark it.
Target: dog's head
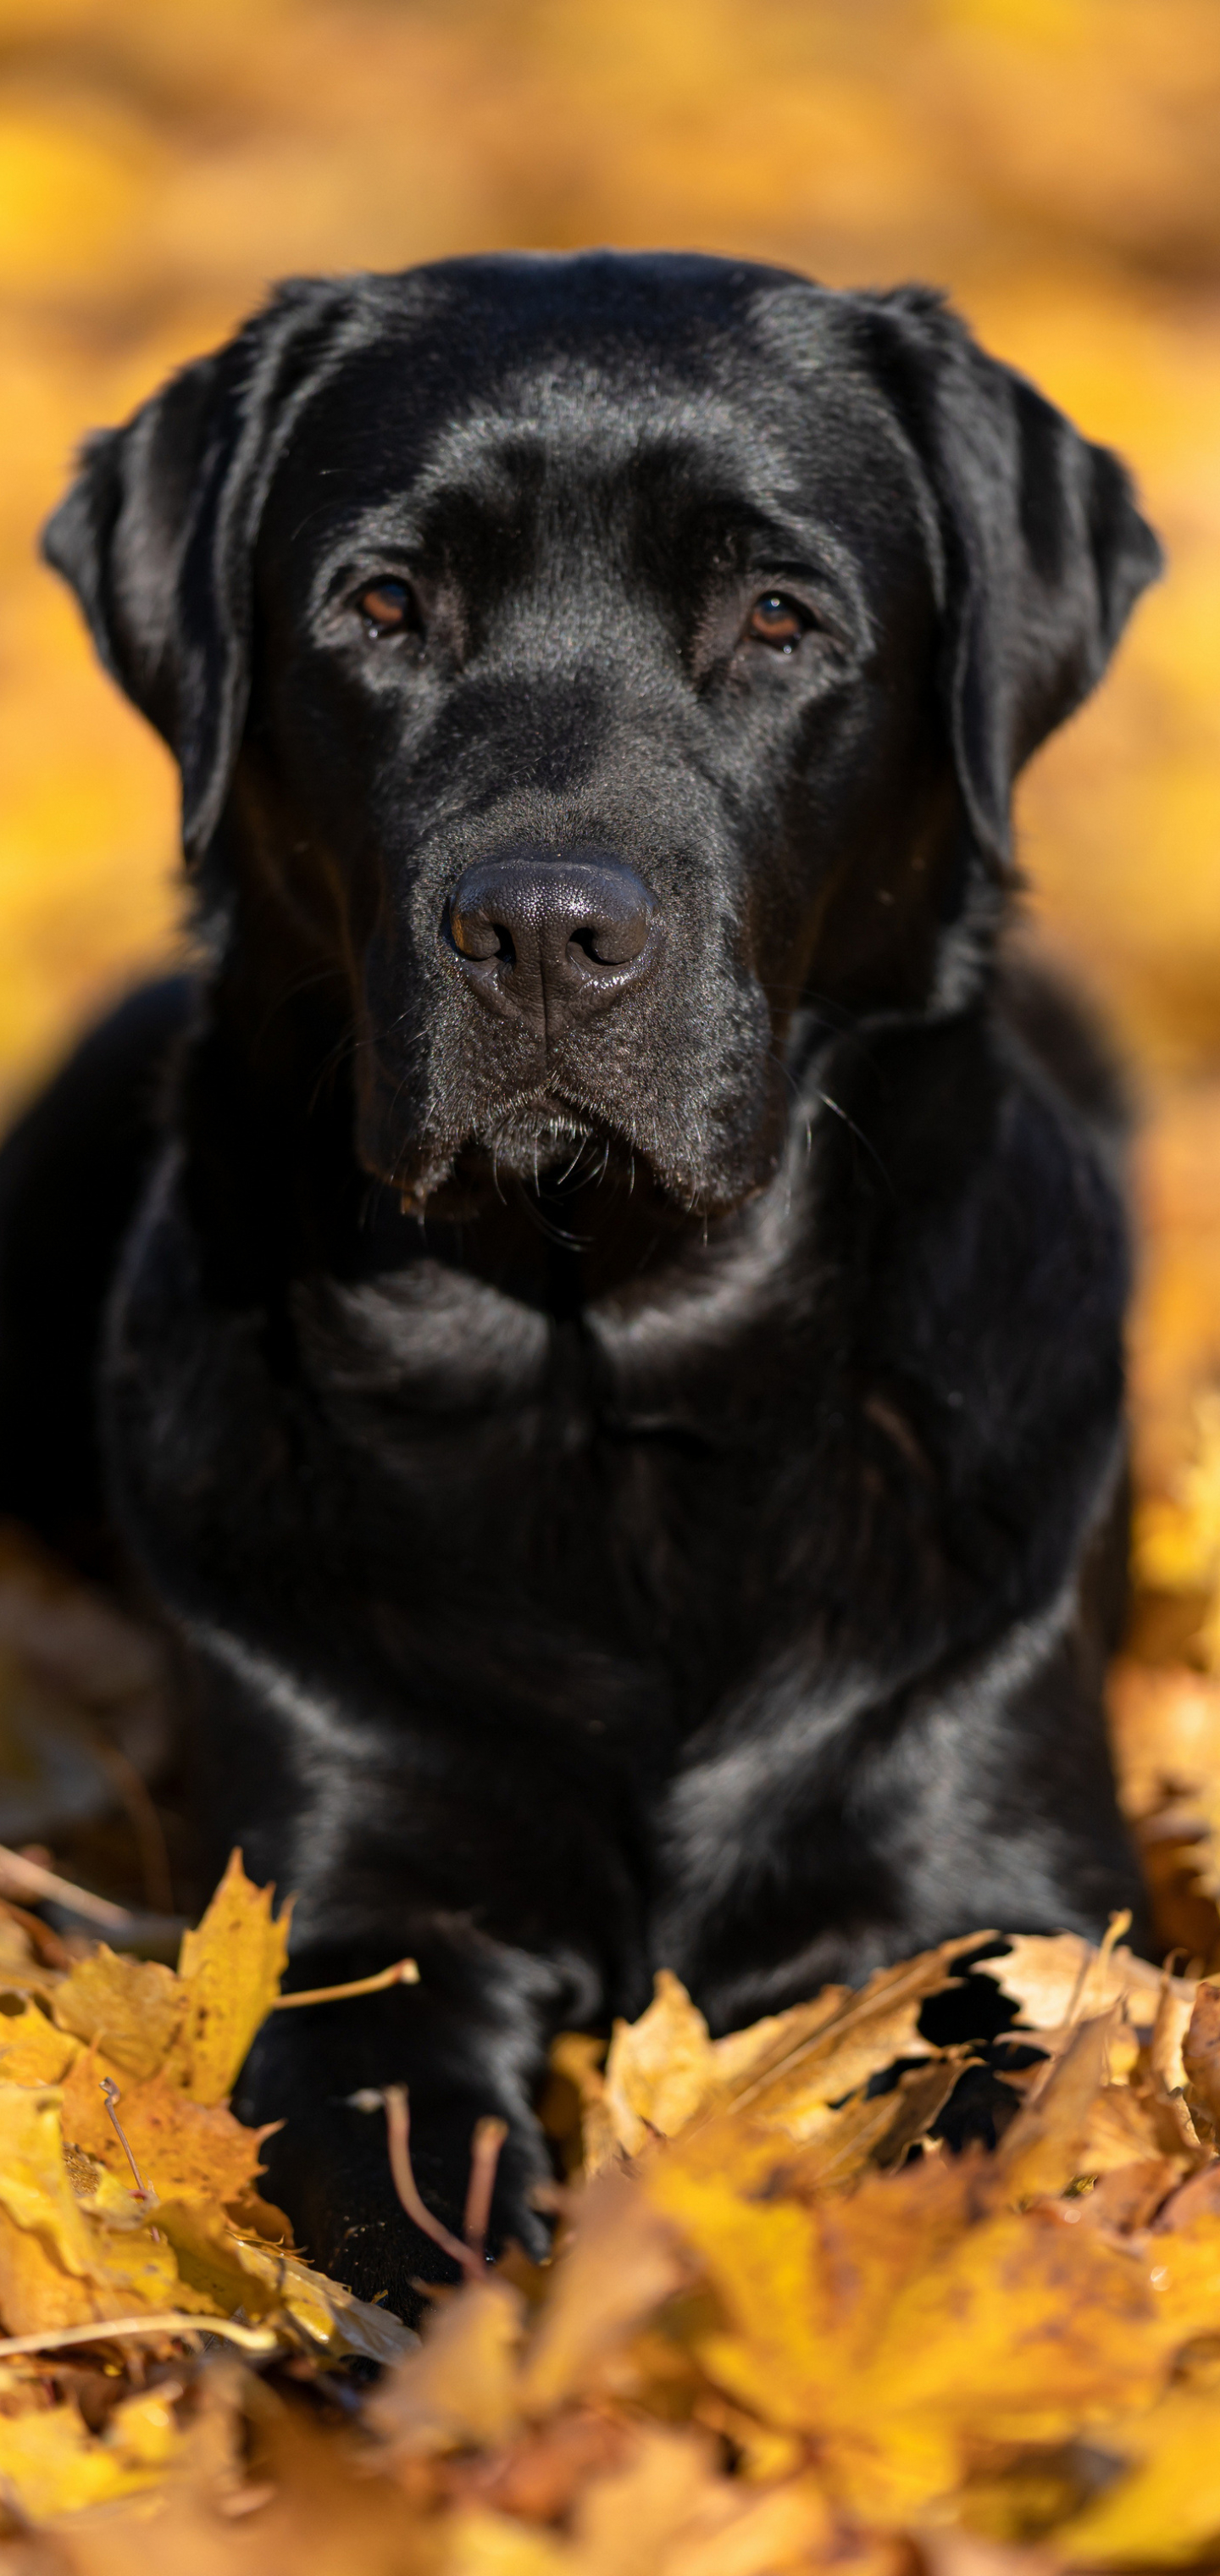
(608, 670)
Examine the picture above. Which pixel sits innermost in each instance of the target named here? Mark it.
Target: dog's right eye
(386, 607)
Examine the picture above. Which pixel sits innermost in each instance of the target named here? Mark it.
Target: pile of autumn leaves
(783, 2329)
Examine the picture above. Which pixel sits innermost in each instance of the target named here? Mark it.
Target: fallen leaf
(1048, 2143)
(131, 2009)
(620, 2262)
(460, 2389)
(661, 2070)
(185, 2150)
(1163, 2508)
(1058, 1979)
(52, 2465)
(32, 2050)
(232, 1967)
(1201, 2061)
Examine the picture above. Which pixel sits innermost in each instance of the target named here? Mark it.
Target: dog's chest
(614, 1478)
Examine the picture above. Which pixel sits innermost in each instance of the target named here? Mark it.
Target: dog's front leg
(467, 2042)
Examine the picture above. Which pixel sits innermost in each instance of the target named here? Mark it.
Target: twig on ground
(113, 2099)
(398, 2129)
(169, 2321)
(21, 1877)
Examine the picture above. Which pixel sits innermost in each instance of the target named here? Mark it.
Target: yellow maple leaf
(133, 2009)
(62, 2261)
(185, 2150)
(231, 1966)
(1177, 1538)
(34, 2185)
(32, 2050)
(1165, 2509)
(622, 2262)
(52, 2465)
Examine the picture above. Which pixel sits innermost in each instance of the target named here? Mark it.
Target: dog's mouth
(531, 1139)
(542, 1138)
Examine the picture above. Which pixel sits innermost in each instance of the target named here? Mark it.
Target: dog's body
(615, 1374)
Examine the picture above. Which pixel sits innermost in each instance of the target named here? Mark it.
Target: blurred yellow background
(1055, 163)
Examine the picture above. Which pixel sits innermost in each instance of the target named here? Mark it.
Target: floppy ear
(156, 535)
(1044, 550)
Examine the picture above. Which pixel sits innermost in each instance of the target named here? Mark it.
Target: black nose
(550, 940)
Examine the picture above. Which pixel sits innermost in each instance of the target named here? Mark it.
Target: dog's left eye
(386, 607)
(777, 621)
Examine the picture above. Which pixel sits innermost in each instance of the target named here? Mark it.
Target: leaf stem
(403, 1973)
(489, 2137)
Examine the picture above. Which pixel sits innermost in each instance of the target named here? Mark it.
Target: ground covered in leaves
(784, 2327)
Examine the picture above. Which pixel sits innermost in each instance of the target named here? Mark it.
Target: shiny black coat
(632, 1471)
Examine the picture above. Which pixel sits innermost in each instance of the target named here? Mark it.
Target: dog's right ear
(156, 534)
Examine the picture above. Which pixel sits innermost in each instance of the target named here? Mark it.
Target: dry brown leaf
(1058, 1979)
(814, 2059)
(791, 2071)
(1127, 2196)
(661, 2070)
(1046, 2146)
(1201, 2062)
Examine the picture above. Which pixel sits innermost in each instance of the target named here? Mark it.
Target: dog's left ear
(1044, 550)
(156, 535)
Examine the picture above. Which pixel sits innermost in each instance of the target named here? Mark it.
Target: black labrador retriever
(613, 1374)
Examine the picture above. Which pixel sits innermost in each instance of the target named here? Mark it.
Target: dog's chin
(545, 1146)
(526, 1146)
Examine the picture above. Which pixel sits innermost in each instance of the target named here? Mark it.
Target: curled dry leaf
(792, 2071)
(1201, 2062)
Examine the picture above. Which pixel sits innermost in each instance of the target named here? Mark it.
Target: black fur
(638, 1485)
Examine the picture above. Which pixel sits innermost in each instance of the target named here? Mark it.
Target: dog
(605, 1290)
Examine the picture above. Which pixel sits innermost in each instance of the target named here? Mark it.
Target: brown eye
(386, 607)
(778, 622)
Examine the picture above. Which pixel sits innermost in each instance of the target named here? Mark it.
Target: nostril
(477, 936)
(612, 942)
